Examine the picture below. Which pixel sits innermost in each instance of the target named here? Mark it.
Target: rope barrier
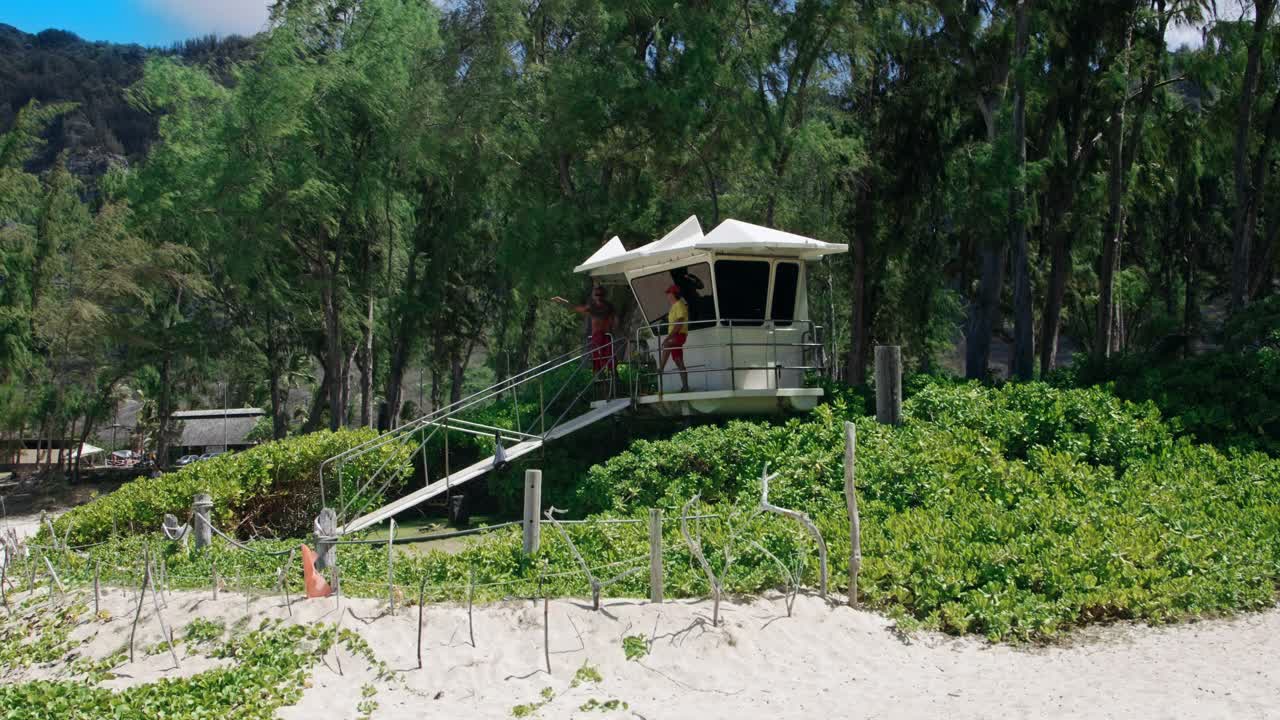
(242, 546)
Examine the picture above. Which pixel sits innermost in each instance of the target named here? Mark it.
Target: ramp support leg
(326, 535)
(532, 510)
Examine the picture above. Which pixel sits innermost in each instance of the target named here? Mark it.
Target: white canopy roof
(731, 236)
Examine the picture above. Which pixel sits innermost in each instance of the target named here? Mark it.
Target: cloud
(224, 17)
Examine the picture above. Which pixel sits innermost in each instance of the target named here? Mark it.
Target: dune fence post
(142, 595)
(391, 575)
(655, 555)
(471, 590)
(422, 597)
(888, 384)
(532, 511)
(214, 568)
(851, 500)
(97, 589)
(326, 537)
(201, 505)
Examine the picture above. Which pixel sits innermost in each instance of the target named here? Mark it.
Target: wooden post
(155, 600)
(391, 576)
(655, 555)
(851, 500)
(142, 594)
(888, 384)
(546, 631)
(326, 550)
(200, 508)
(471, 629)
(4, 578)
(422, 591)
(215, 580)
(532, 510)
(96, 588)
(284, 583)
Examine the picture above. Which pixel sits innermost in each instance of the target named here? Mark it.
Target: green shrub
(1229, 399)
(1010, 512)
(272, 488)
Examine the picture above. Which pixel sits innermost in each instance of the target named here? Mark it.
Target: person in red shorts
(603, 320)
(678, 332)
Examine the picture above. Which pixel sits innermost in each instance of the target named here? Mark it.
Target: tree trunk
(457, 374)
(1246, 210)
(1051, 322)
(164, 412)
(859, 311)
(406, 330)
(365, 358)
(984, 315)
(1023, 361)
(365, 362)
(526, 335)
(319, 400)
(856, 366)
(1104, 330)
(334, 355)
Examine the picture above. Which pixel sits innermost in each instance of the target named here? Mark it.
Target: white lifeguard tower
(749, 347)
(750, 340)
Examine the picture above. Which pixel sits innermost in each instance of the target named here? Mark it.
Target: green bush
(1010, 512)
(1229, 399)
(271, 488)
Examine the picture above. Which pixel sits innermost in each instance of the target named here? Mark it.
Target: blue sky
(160, 22)
(148, 22)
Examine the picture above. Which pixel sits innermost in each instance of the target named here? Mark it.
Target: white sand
(823, 662)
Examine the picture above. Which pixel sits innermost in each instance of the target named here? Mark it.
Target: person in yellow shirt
(677, 333)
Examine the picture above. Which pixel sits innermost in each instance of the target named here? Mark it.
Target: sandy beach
(824, 661)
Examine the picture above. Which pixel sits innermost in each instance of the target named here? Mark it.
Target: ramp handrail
(445, 417)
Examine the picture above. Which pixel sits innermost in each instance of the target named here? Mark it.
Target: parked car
(211, 455)
(186, 460)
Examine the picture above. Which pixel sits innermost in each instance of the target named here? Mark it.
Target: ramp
(608, 409)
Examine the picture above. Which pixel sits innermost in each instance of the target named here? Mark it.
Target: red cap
(674, 290)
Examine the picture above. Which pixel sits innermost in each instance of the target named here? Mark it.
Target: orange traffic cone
(316, 585)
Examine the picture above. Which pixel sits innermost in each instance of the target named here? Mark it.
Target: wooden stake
(4, 578)
(546, 631)
(142, 593)
(391, 576)
(214, 566)
(470, 593)
(284, 583)
(164, 629)
(851, 499)
(422, 591)
(655, 555)
(54, 574)
(532, 510)
(96, 588)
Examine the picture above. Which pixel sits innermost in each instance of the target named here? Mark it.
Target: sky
(161, 22)
(146, 22)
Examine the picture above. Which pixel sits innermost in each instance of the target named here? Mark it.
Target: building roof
(687, 239)
(203, 428)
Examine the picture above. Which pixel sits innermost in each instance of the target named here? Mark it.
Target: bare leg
(662, 366)
(684, 375)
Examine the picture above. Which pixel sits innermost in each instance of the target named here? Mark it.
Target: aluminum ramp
(608, 409)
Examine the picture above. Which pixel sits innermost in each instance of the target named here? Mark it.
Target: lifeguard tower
(750, 345)
(750, 340)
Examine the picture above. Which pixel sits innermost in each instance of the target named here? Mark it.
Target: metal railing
(418, 433)
(812, 351)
